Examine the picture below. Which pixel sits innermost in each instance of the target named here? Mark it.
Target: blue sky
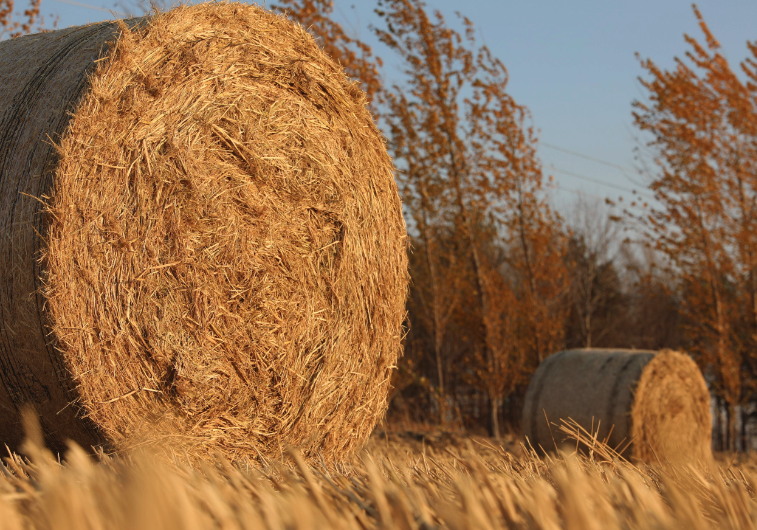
(571, 63)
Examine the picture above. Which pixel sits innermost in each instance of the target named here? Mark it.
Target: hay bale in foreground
(657, 400)
(213, 254)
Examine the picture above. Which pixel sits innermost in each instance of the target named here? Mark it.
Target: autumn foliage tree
(702, 119)
(472, 188)
(14, 24)
(596, 302)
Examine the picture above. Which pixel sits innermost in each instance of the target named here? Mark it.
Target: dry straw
(400, 483)
(652, 407)
(212, 257)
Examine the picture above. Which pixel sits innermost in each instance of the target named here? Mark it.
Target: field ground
(404, 480)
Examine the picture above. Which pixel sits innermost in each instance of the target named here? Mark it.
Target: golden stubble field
(404, 480)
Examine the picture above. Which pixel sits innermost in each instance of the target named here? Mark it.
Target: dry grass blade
(588, 440)
(462, 488)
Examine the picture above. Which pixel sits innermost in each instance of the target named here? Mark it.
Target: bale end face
(670, 417)
(224, 263)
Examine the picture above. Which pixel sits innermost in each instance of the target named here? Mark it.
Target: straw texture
(216, 245)
(671, 411)
(653, 405)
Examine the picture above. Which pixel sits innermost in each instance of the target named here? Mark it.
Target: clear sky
(571, 63)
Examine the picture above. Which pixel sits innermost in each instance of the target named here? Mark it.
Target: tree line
(500, 280)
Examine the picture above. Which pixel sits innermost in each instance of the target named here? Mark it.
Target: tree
(435, 295)
(13, 24)
(652, 319)
(596, 299)
(467, 165)
(703, 123)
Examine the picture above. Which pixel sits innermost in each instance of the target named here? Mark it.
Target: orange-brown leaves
(31, 20)
(702, 120)
(472, 188)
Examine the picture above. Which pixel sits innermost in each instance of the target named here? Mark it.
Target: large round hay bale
(657, 401)
(202, 240)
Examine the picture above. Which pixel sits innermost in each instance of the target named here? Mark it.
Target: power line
(623, 169)
(89, 6)
(578, 192)
(597, 181)
(587, 157)
(355, 32)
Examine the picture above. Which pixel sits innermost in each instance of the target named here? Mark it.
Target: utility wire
(597, 181)
(587, 157)
(89, 6)
(577, 192)
(598, 161)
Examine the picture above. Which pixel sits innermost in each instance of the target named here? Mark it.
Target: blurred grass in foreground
(401, 481)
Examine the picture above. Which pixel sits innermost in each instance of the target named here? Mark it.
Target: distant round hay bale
(657, 401)
(212, 255)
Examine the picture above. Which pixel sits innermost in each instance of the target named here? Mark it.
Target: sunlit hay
(671, 411)
(647, 406)
(223, 251)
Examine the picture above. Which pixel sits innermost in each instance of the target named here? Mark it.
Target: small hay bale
(212, 255)
(657, 401)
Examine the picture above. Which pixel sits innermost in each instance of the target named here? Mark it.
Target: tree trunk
(494, 424)
(588, 309)
(437, 310)
(587, 323)
(442, 395)
(718, 427)
(730, 414)
(529, 267)
(742, 432)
